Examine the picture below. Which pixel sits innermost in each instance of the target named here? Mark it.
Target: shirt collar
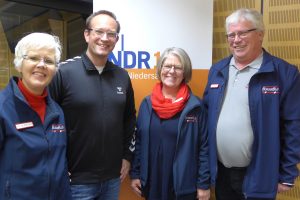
(256, 63)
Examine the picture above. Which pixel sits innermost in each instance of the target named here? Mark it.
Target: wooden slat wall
(282, 20)
(4, 59)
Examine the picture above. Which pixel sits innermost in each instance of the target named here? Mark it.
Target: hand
(136, 186)
(125, 169)
(203, 194)
(282, 188)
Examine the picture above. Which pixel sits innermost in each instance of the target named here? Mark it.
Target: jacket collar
(90, 66)
(266, 66)
(18, 94)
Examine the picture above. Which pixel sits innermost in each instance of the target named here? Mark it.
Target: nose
(172, 68)
(41, 63)
(104, 36)
(237, 37)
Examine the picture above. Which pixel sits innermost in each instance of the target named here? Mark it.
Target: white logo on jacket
(120, 90)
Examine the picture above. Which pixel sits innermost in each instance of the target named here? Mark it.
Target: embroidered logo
(270, 90)
(120, 90)
(24, 125)
(58, 128)
(191, 119)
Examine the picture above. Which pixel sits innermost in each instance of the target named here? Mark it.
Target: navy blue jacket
(33, 162)
(274, 103)
(190, 167)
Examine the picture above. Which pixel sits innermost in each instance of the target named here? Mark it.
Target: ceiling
(15, 12)
(16, 16)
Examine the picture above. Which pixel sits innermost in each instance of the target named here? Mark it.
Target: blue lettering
(126, 58)
(143, 60)
(129, 59)
(112, 58)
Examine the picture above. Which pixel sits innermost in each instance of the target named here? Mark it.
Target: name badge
(214, 85)
(24, 125)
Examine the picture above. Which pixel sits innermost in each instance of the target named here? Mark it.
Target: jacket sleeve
(129, 123)
(290, 129)
(203, 181)
(1, 134)
(136, 161)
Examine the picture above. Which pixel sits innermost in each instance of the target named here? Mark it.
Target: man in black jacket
(98, 102)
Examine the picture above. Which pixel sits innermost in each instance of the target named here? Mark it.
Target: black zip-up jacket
(100, 118)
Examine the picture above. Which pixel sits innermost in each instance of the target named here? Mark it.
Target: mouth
(239, 47)
(103, 46)
(39, 74)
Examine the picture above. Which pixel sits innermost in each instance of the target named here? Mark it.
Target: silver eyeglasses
(176, 68)
(37, 59)
(101, 33)
(240, 34)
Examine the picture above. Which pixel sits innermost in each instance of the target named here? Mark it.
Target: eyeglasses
(240, 34)
(177, 69)
(37, 59)
(100, 33)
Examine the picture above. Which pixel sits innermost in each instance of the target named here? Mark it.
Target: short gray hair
(184, 59)
(250, 15)
(36, 41)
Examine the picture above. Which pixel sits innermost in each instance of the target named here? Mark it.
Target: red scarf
(164, 107)
(36, 102)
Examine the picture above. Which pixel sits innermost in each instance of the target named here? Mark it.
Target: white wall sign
(149, 27)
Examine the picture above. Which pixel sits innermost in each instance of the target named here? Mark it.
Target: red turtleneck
(36, 102)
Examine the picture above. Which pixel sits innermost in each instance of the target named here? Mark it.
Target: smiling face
(172, 72)
(247, 48)
(36, 69)
(99, 47)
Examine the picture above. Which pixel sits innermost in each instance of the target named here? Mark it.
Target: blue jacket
(190, 167)
(274, 103)
(32, 155)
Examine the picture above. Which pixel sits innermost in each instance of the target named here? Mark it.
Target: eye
(49, 61)
(34, 58)
(178, 68)
(243, 34)
(111, 34)
(99, 32)
(232, 35)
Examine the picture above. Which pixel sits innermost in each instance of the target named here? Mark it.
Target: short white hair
(36, 41)
(250, 15)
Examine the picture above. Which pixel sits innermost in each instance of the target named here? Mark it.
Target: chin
(171, 86)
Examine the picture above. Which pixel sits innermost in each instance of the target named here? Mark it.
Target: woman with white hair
(32, 129)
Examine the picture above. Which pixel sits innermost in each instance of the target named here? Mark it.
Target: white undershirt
(100, 69)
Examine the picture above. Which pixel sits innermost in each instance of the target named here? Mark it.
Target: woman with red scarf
(171, 152)
(33, 139)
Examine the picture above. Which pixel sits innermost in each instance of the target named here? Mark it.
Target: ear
(86, 35)
(261, 35)
(19, 69)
